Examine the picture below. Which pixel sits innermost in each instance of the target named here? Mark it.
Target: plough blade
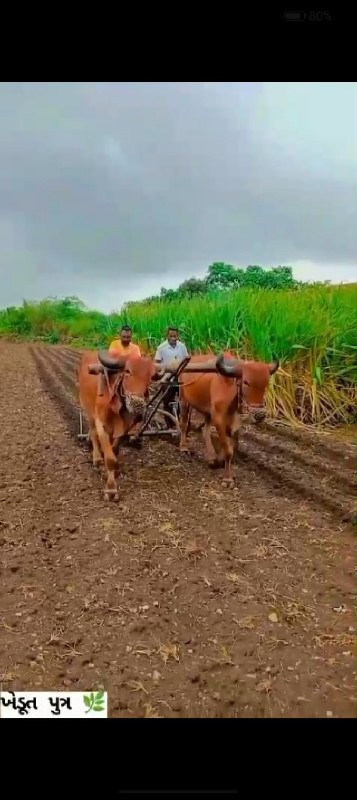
(163, 432)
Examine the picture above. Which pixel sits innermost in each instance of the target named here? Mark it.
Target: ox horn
(110, 361)
(229, 367)
(274, 366)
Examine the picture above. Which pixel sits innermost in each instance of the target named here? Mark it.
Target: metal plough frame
(147, 427)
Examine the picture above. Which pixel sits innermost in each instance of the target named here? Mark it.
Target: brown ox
(220, 398)
(113, 396)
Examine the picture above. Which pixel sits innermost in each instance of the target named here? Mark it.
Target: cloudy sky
(112, 190)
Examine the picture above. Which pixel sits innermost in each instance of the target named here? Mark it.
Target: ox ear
(274, 366)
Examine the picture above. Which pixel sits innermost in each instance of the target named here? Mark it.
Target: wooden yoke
(186, 365)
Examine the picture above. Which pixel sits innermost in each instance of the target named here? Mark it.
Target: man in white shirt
(172, 349)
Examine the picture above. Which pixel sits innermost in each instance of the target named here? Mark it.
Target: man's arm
(158, 356)
(184, 350)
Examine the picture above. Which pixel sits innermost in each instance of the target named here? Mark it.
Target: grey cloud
(110, 183)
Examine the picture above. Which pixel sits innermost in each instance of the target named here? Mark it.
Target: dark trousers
(170, 398)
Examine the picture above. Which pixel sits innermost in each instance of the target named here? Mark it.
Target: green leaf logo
(94, 702)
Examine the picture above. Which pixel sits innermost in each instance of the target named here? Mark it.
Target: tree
(256, 277)
(282, 278)
(193, 286)
(223, 276)
(168, 294)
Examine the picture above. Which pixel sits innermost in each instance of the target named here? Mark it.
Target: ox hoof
(228, 483)
(136, 444)
(97, 463)
(111, 494)
(216, 463)
(185, 451)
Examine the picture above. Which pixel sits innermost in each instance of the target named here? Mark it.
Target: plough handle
(162, 391)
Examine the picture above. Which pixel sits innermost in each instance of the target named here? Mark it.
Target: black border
(127, 756)
(246, 41)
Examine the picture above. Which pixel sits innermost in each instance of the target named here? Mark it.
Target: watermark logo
(94, 702)
(53, 704)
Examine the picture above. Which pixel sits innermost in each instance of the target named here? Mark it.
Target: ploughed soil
(185, 599)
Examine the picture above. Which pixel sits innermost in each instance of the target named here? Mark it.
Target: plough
(153, 422)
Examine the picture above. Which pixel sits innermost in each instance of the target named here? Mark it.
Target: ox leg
(206, 435)
(110, 460)
(184, 423)
(233, 431)
(96, 455)
(227, 447)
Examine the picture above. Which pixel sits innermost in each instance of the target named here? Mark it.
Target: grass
(313, 331)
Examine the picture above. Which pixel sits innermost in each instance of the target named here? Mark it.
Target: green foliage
(312, 329)
(223, 277)
(192, 287)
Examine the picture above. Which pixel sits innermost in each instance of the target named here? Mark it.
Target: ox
(221, 398)
(113, 392)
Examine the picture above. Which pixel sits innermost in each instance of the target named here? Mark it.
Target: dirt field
(185, 599)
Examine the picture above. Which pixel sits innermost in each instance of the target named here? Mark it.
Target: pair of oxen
(114, 392)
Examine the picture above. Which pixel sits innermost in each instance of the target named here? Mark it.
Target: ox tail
(189, 418)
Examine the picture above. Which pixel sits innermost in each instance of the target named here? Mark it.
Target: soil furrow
(317, 441)
(66, 377)
(306, 460)
(64, 400)
(286, 478)
(62, 358)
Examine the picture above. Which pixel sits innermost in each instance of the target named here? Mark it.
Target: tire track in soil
(188, 567)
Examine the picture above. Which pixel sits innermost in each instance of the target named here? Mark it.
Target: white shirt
(166, 353)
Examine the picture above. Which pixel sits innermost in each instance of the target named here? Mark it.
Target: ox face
(253, 378)
(254, 382)
(134, 388)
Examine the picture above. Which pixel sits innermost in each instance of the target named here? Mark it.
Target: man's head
(125, 335)
(172, 336)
